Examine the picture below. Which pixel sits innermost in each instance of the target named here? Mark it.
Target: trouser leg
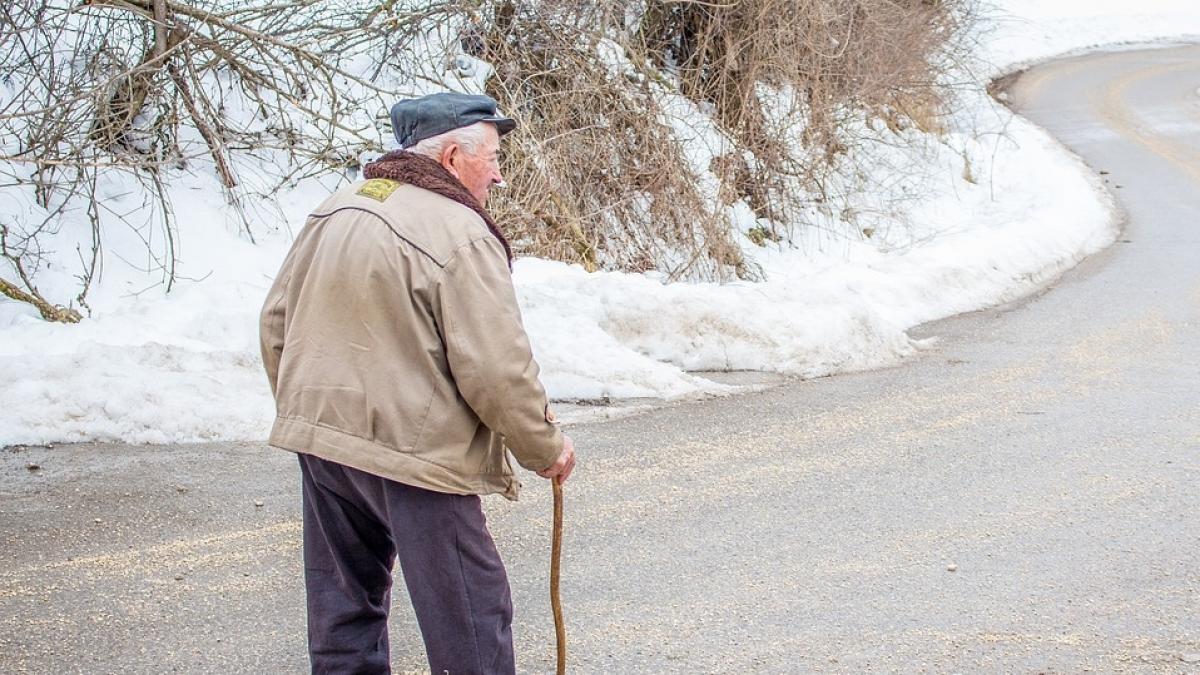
(347, 573)
(456, 580)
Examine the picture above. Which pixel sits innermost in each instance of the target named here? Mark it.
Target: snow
(1029, 31)
(998, 209)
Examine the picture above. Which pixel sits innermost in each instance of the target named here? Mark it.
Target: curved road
(1023, 498)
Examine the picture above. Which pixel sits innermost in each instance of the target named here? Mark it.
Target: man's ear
(450, 156)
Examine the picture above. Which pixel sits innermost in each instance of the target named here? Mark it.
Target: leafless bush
(598, 177)
(830, 62)
(149, 86)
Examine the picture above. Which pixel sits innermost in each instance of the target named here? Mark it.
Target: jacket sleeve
(271, 325)
(489, 353)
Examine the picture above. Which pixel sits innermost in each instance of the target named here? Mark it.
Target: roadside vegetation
(606, 170)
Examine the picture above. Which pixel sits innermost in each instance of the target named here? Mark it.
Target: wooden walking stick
(560, 629)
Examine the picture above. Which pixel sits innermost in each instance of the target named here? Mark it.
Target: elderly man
(394, 346)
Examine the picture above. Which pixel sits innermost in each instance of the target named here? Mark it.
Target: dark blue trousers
(355, 525)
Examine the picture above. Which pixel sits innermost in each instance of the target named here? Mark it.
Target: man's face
(478, 170)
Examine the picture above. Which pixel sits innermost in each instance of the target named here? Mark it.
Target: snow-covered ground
(998, 209)
(1028, 31)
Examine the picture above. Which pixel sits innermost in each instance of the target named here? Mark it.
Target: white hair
(470, 138)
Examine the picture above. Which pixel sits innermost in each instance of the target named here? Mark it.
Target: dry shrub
(597, 177)
(600, 180)
(833, 61)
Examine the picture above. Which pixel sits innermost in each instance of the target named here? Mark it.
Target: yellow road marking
(1112, 107)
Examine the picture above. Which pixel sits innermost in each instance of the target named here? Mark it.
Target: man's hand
(562, 468)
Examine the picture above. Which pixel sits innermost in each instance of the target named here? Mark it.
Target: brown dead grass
(599, 179)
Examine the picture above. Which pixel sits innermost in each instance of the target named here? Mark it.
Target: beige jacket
(393, 343)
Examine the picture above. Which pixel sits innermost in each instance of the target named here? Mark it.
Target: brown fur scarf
(428, 174)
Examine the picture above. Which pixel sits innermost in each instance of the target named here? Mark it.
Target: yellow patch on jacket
(379, 189)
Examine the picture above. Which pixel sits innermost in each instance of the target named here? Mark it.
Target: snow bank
(987, 218)
(1028, 31)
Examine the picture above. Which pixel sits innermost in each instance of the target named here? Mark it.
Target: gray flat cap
(415, 119)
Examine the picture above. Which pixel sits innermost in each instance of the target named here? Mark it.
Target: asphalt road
(1021, 498)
